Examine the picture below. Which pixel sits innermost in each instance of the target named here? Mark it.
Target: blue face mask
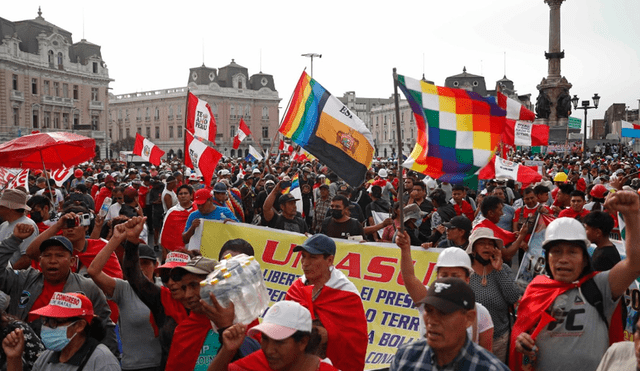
(55, 338)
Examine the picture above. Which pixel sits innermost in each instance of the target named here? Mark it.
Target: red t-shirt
(257, 361)
(111, 268)
(465, 209)
(45, 296)
(569, 213)
(142, 196)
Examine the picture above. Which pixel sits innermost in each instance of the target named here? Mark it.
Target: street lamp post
(585, 106)
(312, 55)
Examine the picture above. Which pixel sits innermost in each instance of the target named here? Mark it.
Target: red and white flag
(501, 169)
(22, 179)
(243, 132)
(285, 147)
(515, 110)
(6, 174)
(200, 120)
(201, 157)
(520, 133)
(147, 150)
(61, 175)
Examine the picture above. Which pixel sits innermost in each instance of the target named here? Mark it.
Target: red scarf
(539, 296)
(187, 342)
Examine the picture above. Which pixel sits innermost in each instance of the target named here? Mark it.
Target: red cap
(78, 173)
(202, 195)
(67, 305)
(175, 259)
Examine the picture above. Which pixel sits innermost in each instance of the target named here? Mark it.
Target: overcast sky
(151, 45)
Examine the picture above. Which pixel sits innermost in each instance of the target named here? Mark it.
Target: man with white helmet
(452, 262)
(557, 324)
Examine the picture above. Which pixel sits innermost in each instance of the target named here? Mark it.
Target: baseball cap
(449, 295)
(175, 259)
(318, 244)
(284, 319)
(219, 188)
(256, 171)
(460, 221)
(78, 173)
(66, 305)
(194, 177)
(201, 196)
(199, 265)
(287, 197)
(224, 172)
(57, 241)
(146, 252)
(109, 178)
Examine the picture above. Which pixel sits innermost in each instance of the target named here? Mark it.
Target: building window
(170, 131)
(56, 88)
(46, 87)
(65, 120)
(139, 116)
(232, 130)
(148, 112)
(76, 120)
(179, 111)
(94, 122)
(247, 111)
(34, 119)
(94, 94)
(232, 110)
(240, 111)
(65, 90)
(170, 112)
(75, 92)
(16, 116)
(214, 108)
(157, 132)
(179, 131)
(128, 132)
(95, 67)
(126, 115)
(110, 133)
(60, 64)
(157, 115)
(148, 132)
(47, 120)
(56, 120)
(50, 58)
(265, 132)
(34, 86)
(119, 133)
(119, 114)
(265, 112)
(15, 82)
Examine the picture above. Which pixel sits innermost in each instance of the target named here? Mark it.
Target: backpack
(593, 295)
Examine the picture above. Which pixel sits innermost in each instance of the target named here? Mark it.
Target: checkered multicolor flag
(458, 131)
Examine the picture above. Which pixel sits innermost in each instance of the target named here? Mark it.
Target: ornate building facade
(50, 83)
(232, 94)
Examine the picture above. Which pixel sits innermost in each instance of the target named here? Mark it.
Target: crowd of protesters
(112, 257)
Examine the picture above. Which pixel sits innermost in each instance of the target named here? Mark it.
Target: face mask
(55, 338)
(481, 260)
(336, 214)
(36, 217)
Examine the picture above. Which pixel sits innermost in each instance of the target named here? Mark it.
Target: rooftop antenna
(83, 38)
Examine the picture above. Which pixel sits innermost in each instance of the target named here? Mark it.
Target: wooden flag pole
(398, 136)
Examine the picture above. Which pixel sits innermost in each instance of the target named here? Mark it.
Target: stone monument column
(553, 104)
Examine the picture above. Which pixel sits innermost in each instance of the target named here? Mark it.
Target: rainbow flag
(295, 183)
(458, 131)
(326, 128)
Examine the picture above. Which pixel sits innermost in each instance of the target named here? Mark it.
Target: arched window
(265, 112)
(59, 58)
(50, 57)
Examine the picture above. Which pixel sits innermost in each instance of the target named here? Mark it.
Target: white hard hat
(454, 257)
(565, 229)
(382, 173)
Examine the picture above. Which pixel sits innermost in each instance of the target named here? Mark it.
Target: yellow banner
(373, 268)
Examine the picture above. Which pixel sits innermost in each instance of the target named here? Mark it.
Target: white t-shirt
(483, 319)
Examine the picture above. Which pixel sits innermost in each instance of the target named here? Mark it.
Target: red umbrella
(52, 151)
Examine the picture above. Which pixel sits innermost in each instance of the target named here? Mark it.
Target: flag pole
(399, 138)
(184, 135)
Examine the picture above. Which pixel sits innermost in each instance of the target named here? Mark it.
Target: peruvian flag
(200, 120)
(520, 133)
(147, 150)
(501, 168)
(201, 157)
(61, 175)
(243, 132)
(515, 110)
(285, 147)
(6, 174)
(22, 179)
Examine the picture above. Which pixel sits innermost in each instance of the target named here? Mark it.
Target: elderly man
(448, 311)
(13, 204)
(572, 307)
(334, 303)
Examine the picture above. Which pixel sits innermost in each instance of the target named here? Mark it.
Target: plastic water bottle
(104, 209)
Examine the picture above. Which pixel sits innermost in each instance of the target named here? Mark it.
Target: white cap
(284, 319)
(224, 172)
(256, 171)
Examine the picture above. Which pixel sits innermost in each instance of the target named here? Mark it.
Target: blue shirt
(418, 355)
(220, 213)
